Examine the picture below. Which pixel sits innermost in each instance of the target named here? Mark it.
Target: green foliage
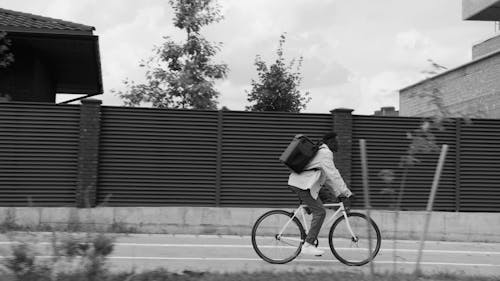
(191, 15)
(6, 57)
(73, 258)
(84, 259)
(423, 139)
(181, 75)
(432, 94)
(21, 266)
(9, 222)
(277, 85)
(163, 275)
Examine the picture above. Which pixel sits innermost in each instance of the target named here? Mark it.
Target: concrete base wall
(481, 227)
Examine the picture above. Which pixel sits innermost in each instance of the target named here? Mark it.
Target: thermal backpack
(299, 153)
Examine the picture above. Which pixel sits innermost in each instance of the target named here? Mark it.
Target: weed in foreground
(73, 258)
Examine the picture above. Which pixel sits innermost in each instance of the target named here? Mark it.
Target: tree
(6, 57)
(277, 85)
(182, 75)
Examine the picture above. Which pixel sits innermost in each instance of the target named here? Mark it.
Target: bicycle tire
(359, 228)
(261, 232)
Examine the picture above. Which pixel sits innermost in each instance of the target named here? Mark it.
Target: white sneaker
(308, 249)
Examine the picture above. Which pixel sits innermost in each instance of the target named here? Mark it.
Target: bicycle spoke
(354, 250)
(294, 244)
(272, 242)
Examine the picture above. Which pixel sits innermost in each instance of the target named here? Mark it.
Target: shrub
(73, 258)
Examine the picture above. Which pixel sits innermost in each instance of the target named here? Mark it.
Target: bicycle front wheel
(351, 248)
(277, 238)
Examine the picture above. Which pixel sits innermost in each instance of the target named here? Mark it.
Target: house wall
(471, 90)
(486, 47)
(28, 79)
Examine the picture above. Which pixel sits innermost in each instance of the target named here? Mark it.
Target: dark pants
(318, 212)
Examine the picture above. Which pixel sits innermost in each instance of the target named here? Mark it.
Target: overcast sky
(357, 53)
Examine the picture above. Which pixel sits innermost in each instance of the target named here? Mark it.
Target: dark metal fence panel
(157, 157)
(387, 142)
(205, 158)
(480, 166)
(252, 175)
(38, 154)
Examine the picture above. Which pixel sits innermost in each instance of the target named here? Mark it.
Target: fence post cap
(341, 110)
(91, 101)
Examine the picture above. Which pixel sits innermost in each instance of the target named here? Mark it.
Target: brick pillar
(342, 125)
(88, 155)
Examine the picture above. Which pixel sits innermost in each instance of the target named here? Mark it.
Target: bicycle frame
(302, 212)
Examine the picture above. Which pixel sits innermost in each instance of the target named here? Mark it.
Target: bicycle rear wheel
(354, 250)
(277, 238)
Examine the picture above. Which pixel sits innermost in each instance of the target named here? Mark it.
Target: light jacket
(322, 172)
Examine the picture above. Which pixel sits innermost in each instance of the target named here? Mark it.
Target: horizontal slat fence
(38, 154)
(387, 142)
(159, 157)
(252, 175)
(480, 166)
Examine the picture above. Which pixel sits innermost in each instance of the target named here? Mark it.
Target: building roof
(71, 49)
(484, 10)
(13, 21)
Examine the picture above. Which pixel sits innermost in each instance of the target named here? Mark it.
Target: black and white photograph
(223, 140)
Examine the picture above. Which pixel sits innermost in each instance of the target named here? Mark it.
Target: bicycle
(286, 235)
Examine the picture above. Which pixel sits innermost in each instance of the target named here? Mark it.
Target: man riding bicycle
(319, 176)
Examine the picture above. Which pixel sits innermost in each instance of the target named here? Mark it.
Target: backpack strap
(313, 169)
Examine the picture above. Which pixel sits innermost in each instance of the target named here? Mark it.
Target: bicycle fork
(354, 238)
(341, 209)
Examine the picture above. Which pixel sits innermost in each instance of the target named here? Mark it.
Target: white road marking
(443, 251)
(440, 263)
(326, 248)
(248, 237)
(299, 259)
(305, 260)
(250, 246)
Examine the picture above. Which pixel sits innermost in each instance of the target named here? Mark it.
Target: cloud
(125, 45)
(412, 40)
(411, 50)
(232, 96)
(411, 53)
(355, 52)
(363, 94)
(318, 73)
(383, 88)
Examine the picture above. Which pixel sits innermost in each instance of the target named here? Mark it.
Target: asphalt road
(235, 253)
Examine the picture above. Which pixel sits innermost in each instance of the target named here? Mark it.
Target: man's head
(330, 139)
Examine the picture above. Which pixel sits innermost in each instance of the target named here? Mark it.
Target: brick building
(471, 89)
(386, 111)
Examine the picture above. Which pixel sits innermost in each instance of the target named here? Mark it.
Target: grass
(9, 225)
(163, 275)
